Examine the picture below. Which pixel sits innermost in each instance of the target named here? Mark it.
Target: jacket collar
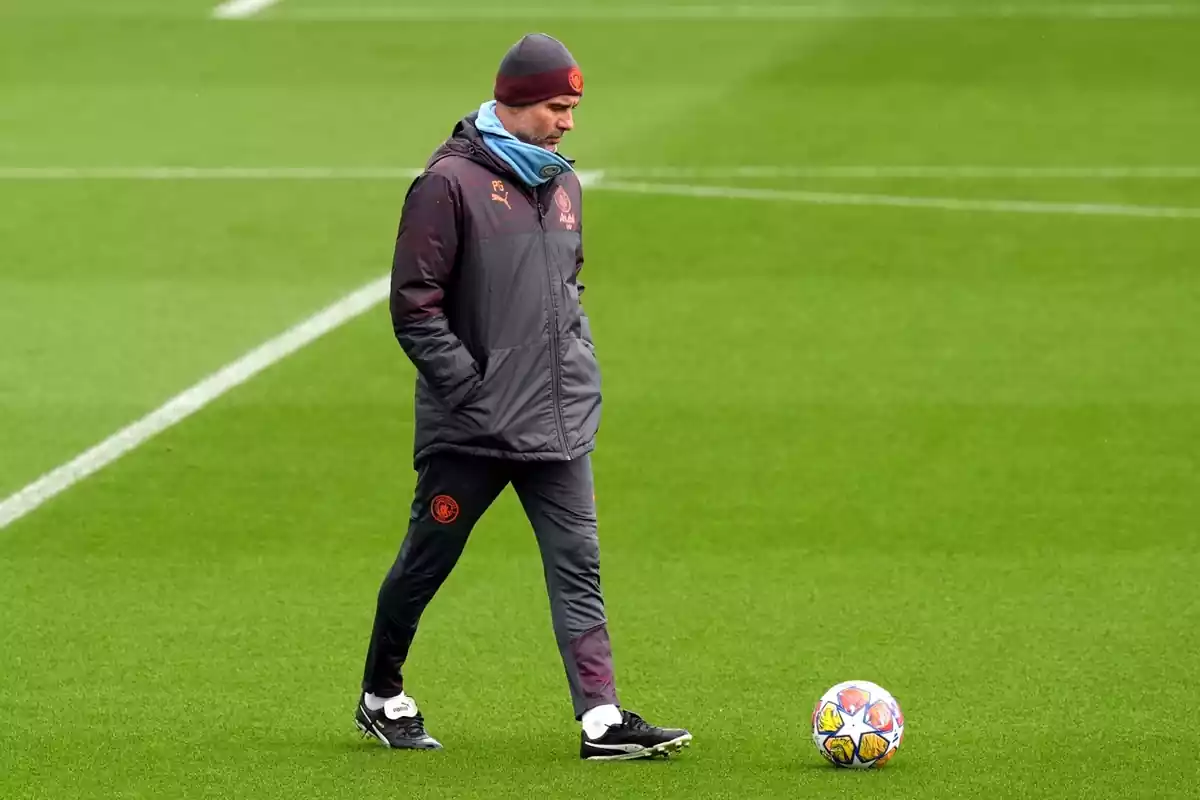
(466, 141)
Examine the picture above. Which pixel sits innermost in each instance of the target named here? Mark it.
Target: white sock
(597, 720)
(394, 707)
(374, 702)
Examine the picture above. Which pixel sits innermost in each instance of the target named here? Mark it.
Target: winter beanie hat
(535, 69)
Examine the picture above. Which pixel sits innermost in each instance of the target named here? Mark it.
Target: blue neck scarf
(534, 165)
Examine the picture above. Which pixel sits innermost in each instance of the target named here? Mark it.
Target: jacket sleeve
(422, 267)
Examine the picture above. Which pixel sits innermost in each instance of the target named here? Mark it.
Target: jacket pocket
(471, 395)
(512, 403)
(580, 390)
(585, 331)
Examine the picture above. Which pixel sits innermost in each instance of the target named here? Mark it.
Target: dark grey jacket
(485, 302)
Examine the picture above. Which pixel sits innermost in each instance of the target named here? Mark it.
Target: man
(485, 303)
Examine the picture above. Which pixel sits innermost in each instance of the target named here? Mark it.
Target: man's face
(544, 124)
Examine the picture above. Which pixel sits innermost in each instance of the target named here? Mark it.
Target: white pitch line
(240, 9)
(863, 172)
(206, 173)
(191, 400)
(358, 302)
(586, 177)
(748, 13)
(937, 172)
(942, 203)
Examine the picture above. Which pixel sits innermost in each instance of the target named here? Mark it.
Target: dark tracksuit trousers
(453, 491)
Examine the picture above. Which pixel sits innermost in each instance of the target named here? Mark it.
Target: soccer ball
(857, 724)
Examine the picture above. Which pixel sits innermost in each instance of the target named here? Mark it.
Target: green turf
(950, 452)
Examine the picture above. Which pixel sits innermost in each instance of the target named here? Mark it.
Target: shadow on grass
(552, 754)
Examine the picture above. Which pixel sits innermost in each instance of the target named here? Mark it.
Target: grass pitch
(950, 452)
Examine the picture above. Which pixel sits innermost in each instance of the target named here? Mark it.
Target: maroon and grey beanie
(535, 69)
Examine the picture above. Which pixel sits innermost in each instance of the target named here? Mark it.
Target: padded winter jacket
(485, 303)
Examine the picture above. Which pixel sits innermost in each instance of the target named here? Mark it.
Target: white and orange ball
(857, 725)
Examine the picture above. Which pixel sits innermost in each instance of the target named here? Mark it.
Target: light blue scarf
(534, 165)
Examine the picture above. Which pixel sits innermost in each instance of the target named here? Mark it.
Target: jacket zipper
(555, 366)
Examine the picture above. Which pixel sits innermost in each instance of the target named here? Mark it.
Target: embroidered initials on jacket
(499, 194)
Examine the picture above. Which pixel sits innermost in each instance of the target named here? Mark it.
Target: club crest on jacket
(563, 201)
